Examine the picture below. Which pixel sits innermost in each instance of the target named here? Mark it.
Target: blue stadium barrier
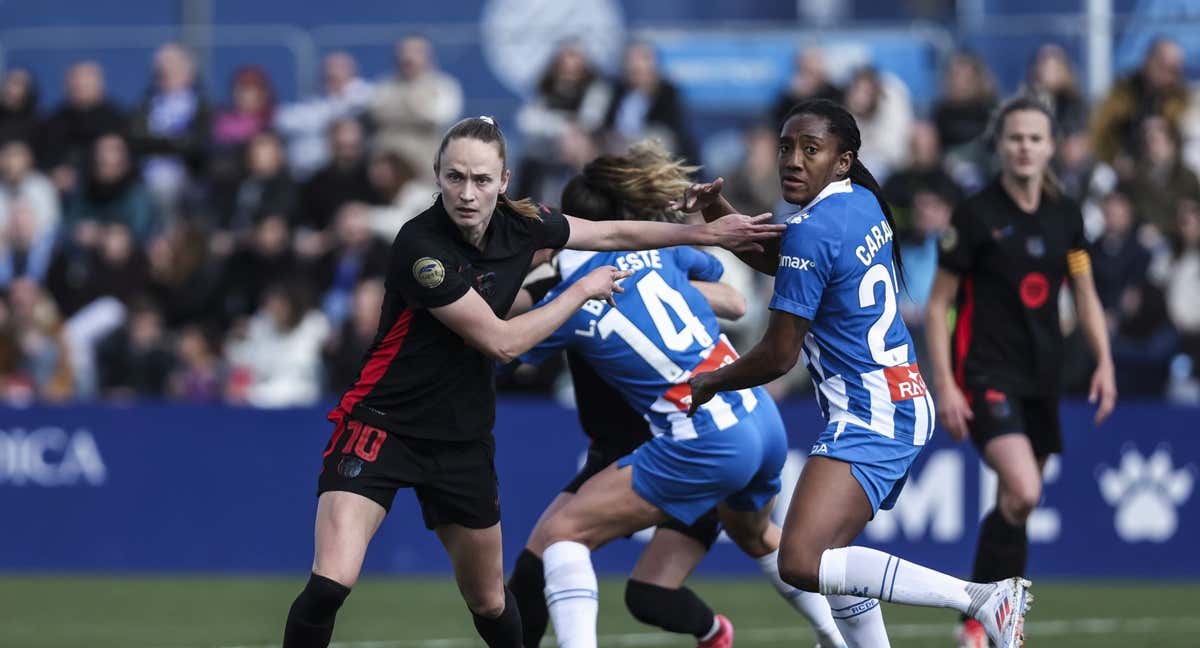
(175, 488)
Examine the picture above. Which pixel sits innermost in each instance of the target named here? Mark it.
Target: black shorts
(998, 412)
(455, 481)
(704, 530)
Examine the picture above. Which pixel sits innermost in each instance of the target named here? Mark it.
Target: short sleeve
(806, 264)
(956, 248)
(552, 230)
(422, 274)
(1079, 262)
(699, 265)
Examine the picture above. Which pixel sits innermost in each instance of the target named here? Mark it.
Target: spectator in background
(172, 128)
(924, 172)
(931, 210)
(356, 255)
(345, 349)
(1181, 285)
(399, 194)
(968, 98)
(571, 95)
(25, 253)
(19, 180)
(112, 192)
(72, 129)
(1157, 89)
(881, 106)
(1119, 262)
(278, 360)
(810, 80)
(250, 114)
(412, 109)
(267, 189)
(304, 125)
(1051, 79)
(249, 270)
(135, 361)
(42, 360)
(18, 106)
(198, 375)
(252, 110)
(1160, 180)
(185, 276)
(645, 105)
(341, 181)
(754, 184)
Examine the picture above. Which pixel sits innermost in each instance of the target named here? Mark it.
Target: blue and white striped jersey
(661, 332)
(835, 269)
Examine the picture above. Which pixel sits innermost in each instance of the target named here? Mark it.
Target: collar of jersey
(570, 261)
(839, 187)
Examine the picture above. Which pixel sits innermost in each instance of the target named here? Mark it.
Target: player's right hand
(702, 391)
(741, 233)
(954, 412)
(601, 283)
(699, 196)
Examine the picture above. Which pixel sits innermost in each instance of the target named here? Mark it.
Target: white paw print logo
(1146, 492)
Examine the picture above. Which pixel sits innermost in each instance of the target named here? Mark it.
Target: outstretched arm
(774, 355)
(734, 232)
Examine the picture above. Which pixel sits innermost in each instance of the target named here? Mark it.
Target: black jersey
(604, 414)
(1012, 264)
(419, 378)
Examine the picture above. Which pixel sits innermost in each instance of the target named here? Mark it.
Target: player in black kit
(1009, 249)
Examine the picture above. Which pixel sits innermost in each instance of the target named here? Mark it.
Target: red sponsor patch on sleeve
(905, 382)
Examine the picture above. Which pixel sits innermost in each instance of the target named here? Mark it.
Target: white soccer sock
(868, 573)
(860, 620)
(571, 594)
(813, 606)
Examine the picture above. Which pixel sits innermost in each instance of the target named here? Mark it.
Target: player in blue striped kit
(835, 303)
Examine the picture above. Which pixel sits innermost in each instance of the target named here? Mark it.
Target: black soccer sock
(1002, 551)
(503, 631)
(673, 610)
(310, 620)
(528, 584)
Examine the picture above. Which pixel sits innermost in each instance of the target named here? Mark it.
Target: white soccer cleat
(1003, 616)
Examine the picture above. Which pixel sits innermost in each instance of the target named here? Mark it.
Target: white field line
(1033, 628)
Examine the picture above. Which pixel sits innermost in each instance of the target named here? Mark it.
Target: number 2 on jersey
(877, 335)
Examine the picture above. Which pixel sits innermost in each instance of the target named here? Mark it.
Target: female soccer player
(1009, 249)
(421, 413)
(639, 185)
(835, 300)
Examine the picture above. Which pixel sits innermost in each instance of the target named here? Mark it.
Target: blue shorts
(739, 465)
(880, 464)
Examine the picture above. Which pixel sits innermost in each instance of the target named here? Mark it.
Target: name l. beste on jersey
(874, 241)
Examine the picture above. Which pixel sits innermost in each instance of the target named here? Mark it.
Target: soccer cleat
(1003, 615)
(972, 635)
(724, 636)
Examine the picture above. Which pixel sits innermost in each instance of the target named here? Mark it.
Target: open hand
(699, 196)
(601, 283)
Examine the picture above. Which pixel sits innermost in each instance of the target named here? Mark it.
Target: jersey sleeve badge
(429, 272)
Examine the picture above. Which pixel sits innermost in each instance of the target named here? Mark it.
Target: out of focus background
(197, 198)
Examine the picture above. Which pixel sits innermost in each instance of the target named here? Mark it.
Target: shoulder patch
(429, 272)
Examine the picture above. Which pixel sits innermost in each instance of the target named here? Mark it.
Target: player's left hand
(702, 391)
(741, 233)
(1104, 391)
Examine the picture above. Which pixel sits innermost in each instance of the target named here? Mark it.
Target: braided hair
(841, 123)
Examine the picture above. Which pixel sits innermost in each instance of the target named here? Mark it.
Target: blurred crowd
(183, 250)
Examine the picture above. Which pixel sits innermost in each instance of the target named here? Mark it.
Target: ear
(504, 180)
(845, 160)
